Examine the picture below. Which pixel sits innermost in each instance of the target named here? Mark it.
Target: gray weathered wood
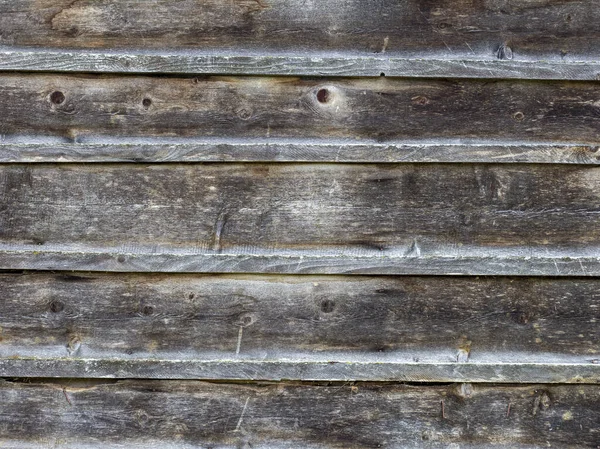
(59, 109)
(295, 65)
(302, 218)
(294, 150)
(306, 328)
(540, 39)
(178, 414)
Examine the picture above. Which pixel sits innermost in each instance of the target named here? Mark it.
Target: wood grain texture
(300, 327)
(177, 414)
(536, 39)
(93, 109)
(302, 218)
(294, 150)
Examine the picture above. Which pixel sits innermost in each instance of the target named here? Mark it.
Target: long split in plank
(549, 39)
(300, 327)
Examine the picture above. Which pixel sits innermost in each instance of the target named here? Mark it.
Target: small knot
(327, 306)
(504, 52)
(56, 306)
(57, 97)
(323, 95)
(147, 310)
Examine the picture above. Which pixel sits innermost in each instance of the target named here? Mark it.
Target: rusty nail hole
(57, 97)
(56, 307)
(327, 306)
(147, 102)
(518, 116)
(323, 95)
(148, 310)
(191, 296)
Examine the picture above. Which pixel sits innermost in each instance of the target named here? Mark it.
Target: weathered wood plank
(321, 65)
(294, 150)
(300, 327)
(93, 109)
(541, 39)
(302, 218)
(176, 414)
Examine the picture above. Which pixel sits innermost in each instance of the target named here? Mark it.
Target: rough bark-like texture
(194, 414)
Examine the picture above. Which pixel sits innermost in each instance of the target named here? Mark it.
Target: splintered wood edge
(224, 150)
(278, 370)
(291, 64)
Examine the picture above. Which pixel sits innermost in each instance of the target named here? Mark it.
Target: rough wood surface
(176, 414)
(302, 218)
(92, 109)
(294, 150)
(537, 39)
(300, 327)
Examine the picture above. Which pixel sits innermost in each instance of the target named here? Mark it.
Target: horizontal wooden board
(380, 116)
(300, 327)
(180, 414)
(535, 39)
(294, 150)
(302, 218)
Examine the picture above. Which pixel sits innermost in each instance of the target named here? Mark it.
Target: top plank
(542, 39)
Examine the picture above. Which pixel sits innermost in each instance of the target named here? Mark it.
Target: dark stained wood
(195, 414)
(542, 38)
(91, 109)
(396, 218)
(329, 328)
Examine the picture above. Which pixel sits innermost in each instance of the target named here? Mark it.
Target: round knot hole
(323, 95)
(57, 97)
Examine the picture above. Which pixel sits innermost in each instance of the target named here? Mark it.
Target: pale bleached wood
(293, 150)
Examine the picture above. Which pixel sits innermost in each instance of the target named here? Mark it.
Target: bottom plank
(185, 414)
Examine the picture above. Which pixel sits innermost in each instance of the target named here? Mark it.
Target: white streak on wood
(239, 424)
(239, 340)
